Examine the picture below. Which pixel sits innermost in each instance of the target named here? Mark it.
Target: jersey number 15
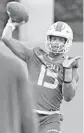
(48, 73)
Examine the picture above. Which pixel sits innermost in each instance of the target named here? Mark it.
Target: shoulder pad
(38, 51)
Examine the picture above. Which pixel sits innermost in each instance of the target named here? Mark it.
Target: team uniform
(47, 87)
(51, 79)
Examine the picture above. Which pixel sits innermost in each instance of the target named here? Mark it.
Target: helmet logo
(59, 27)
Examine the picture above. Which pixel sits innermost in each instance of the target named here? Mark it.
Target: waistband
(53, 130)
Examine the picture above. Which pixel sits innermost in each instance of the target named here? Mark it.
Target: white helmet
(60, 29)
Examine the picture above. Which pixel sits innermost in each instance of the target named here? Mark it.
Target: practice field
(72, 111)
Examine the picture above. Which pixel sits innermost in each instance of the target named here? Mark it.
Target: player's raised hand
(71, 62)
(12, 24)
(68, 65)
(18, 24)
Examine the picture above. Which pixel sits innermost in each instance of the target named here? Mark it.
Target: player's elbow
(68, 98)
(5, 39)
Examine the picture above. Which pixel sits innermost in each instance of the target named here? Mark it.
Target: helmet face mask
(56, 44)
(61, 31)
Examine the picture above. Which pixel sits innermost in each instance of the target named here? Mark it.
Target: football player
(52, 75)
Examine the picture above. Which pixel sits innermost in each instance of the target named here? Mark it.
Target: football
(17, 12)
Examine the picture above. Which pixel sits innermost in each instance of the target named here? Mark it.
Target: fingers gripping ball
(17, 12)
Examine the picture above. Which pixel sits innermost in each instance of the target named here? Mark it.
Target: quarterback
(53, 75)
